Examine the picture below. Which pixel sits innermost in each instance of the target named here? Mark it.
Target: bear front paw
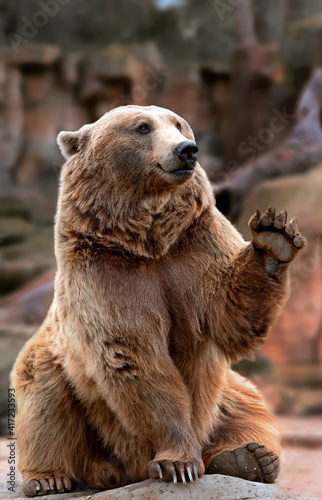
(174, 471)
(46, 485)
(279, 240)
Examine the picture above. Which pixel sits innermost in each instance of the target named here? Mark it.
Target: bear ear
(69, 143)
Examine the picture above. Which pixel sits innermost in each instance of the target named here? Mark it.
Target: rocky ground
(300, 478)
(210, 487)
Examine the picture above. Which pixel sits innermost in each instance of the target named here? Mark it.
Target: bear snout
(187, 151)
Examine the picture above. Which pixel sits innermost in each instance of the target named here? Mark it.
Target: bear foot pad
(46, 486)
(253, 462)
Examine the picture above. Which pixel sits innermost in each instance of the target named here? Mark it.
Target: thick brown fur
(156, 294)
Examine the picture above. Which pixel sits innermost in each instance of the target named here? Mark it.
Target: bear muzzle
(186, 151)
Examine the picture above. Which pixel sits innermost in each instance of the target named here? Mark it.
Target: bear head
(131, 164)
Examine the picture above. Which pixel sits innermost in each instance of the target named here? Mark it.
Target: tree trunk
(270, 19)
(252, 78)
(245, 30)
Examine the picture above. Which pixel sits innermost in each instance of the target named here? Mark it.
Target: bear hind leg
(57, 448)
(245, 439)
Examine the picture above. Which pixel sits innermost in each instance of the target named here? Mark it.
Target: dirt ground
(301, 471)
(302, 456)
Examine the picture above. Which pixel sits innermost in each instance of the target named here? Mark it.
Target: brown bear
(156, 293)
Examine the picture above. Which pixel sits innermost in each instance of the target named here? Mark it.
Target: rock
(210, 163)
(300, 195)
(17, 273)
(120, 75)
(212, 487)
(26, 251)
(70, 68)
(29, 305)
(11, 122)
(184, 96)
(293, 390)
(190, 97)
(13, 206)
(299, 478)
(21, 313)
(10, 344)
(296, 338)
(42, 54)
(43, 91)
(14, 229)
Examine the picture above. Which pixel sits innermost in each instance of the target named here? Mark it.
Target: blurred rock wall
(294, 345)
(44, 91)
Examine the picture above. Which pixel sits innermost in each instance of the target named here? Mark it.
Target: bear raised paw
(280, 241)
(156, 293)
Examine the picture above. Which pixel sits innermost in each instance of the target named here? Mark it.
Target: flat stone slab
(212, 487)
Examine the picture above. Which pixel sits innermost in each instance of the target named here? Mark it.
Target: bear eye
(144, 128)
(179, 126)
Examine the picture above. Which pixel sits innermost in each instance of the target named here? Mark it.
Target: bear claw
(174, 476)
(159, 470)
(172, 471)
(189, 474)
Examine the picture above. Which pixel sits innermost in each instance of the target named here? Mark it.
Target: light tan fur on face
(155, 294)
(167, 137)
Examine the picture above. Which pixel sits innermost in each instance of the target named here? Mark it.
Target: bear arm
(157, 397)
(136, 377)
(252, 300)
(148, 389)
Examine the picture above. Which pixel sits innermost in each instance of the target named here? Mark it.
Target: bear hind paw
(253, 462)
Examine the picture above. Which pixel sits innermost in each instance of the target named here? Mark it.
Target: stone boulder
(29, 305)
(300, 195)
(21, 313)
(296, 338)
(43, 91)
(212, 487)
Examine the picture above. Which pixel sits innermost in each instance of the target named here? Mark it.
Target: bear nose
(187, 151)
